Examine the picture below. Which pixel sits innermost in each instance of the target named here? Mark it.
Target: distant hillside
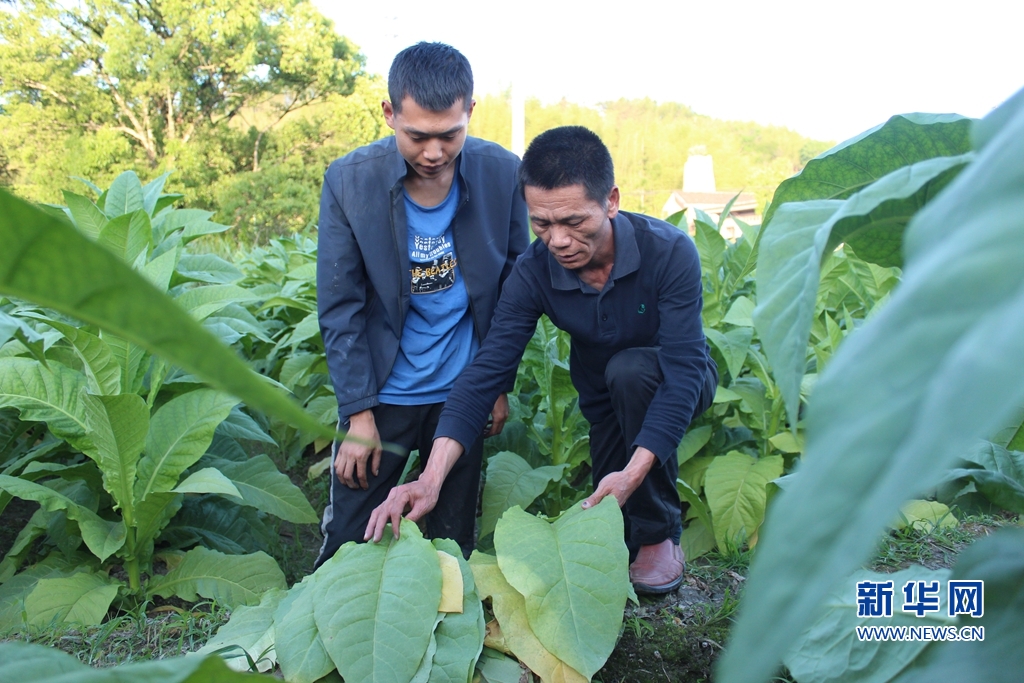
(650, 142)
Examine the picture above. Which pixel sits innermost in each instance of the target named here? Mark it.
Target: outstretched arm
(468, 404)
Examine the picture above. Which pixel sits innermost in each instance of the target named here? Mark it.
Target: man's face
(429, 141)
(574, 227)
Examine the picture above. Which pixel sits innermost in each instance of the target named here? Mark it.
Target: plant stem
(131, 563)
(773, 426)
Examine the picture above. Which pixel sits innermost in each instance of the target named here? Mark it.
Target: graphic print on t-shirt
(433, 262)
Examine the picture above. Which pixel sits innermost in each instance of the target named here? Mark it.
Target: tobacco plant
(911, 391)
(128, 436)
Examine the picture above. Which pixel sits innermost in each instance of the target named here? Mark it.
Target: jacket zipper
(401, 272)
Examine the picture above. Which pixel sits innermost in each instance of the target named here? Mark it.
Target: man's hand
(498, 417)
(622, 484)
(419, 497)
(361, 444)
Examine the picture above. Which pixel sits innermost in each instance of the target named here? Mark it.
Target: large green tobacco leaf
(124, 195)
(98, 364)
(152, 515)
(103, 537)
(231, 580)
(510, 611)
(858, 162)
(160, 269)
(15, 589)
(999, 477)
(802, 233)
(495, 667)
(53, 395)
(998, 561)
(872, 220)
(35, 528)
(375, 605)
(30, 663)
(460, 635)
(238, 425)
(179, 434)
(511, 482)
(251, 629)
(733, 346)
(573, 575)
(129, 358)
(87, 216)
(830, 652)
(15, 328)
(300, 649)
(423, 671)
(202, 302)
(23, 662)
(207, 268)
(208, 480)
(118, 427)
(265, 488)
(47, 261)
(83, 598)
(217, 523)
(933, 371)
(736, 488)
(127, 236)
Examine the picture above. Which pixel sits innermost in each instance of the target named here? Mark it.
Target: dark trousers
(652, 513)
(411, 428)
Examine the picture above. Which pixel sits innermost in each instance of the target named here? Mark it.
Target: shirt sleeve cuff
(460, 430)
(661, 446)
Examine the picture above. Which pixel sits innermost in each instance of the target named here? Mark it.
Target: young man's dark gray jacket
(363, 272)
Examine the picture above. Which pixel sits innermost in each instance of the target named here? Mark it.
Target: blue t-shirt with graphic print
(438, 340)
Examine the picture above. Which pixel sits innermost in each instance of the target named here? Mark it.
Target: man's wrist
(363, 417)
(443, 454)
(641, 462)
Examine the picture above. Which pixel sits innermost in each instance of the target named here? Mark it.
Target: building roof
(709, 201)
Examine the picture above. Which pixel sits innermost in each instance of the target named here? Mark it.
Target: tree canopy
(160, 84)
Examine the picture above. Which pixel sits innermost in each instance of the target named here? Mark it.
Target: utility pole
(518, 119)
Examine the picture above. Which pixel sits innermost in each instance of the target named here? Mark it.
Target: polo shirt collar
(627, 258)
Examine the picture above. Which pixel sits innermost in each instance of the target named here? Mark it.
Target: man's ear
(472, 106)
(613, 202)
(389, 113)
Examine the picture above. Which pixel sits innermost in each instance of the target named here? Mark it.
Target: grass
(935, 547)
(159, 632)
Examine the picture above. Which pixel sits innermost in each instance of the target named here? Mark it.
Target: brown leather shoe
(658, 568)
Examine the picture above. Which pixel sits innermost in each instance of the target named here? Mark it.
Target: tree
(159, 84)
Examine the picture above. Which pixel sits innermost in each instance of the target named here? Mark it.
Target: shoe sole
(644, 589)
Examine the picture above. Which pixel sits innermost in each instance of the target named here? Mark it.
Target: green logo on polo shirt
(642, 308)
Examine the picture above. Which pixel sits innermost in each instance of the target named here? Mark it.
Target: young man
(627, 289)
(417, 234)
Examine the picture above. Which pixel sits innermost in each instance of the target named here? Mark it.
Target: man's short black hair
(434, 75)
(569, 155)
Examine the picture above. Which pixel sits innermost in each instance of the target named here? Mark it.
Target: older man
(627, 289)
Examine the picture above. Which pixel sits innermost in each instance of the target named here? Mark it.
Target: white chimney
(699, 174)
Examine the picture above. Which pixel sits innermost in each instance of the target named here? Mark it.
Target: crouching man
(627, 289)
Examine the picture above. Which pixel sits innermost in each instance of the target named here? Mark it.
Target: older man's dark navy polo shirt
(652, 299)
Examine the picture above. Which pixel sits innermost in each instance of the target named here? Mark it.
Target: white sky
(826, 69)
